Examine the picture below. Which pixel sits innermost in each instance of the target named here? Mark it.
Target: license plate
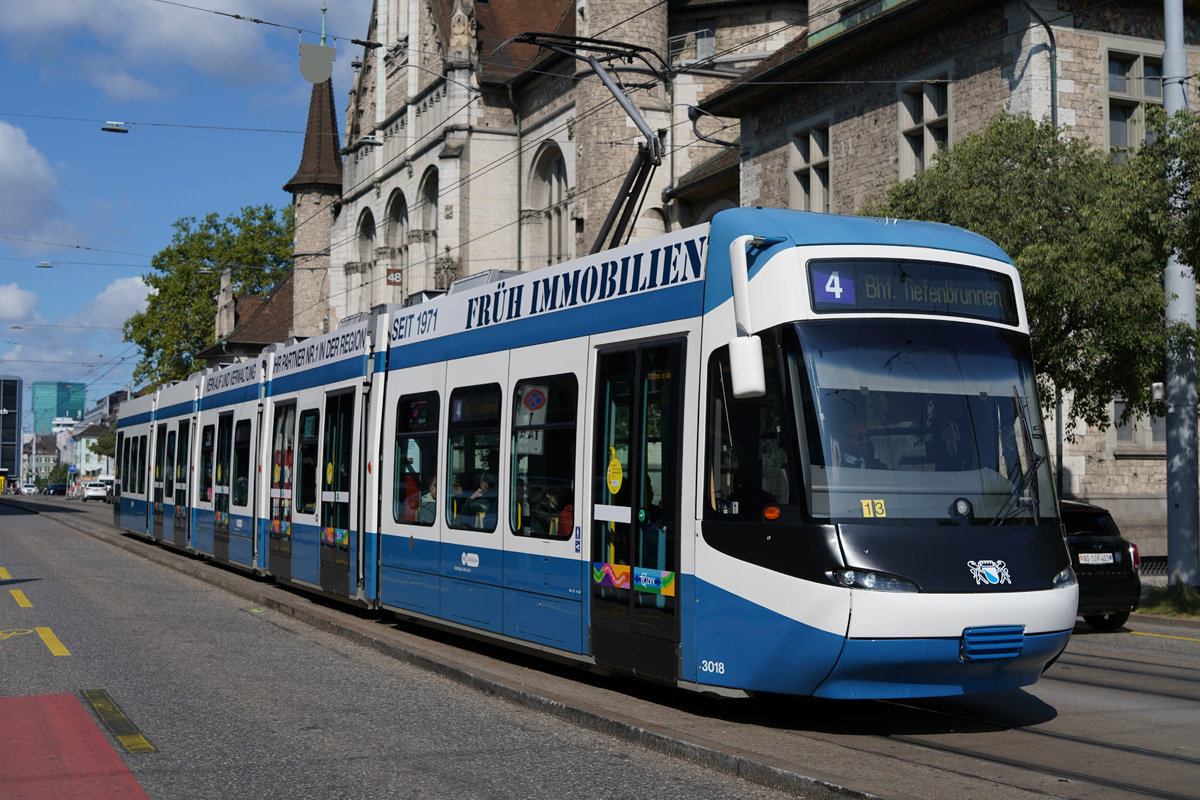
(1095, 558)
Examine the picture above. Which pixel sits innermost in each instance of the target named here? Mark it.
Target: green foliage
(1088, 233)
(60, 474)
(180, 316)
(1177, 600)
(105, 444)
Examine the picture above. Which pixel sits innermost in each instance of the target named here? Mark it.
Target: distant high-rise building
(10, 428)
(52, 400)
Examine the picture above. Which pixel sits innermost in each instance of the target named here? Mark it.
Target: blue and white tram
(174, 418)
(314, 463)
(228, 423)
(720, 536)
(779, 452)
(131, 499)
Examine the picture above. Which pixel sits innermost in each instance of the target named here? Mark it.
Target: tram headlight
(1065, 579)
(872, 581)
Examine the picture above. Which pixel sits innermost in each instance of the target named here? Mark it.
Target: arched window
(427, 213)
(397, 230)
(549, 196)
(366, 237)
(711, 210)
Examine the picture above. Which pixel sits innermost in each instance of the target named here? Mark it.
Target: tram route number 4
(831, 288)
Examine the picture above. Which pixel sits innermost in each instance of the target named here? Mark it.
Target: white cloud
(16, 304)
(29, 202)
(119, 301)
(127, 48)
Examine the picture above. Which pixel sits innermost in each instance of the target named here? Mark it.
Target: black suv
(1105, 563)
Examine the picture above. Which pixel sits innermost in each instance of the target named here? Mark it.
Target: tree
(105, 444)
(1087, 233)
(180, 316)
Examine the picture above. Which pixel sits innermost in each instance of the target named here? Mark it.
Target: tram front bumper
(910, 668)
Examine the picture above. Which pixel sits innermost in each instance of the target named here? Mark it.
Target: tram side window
(473, 461)
(306, 475)
(141, 458)
(160, 455)
(169, 468)
(543, 457)
(414, 492)
(207, 440)
(747, 443)
(122, 462)
(241, 463)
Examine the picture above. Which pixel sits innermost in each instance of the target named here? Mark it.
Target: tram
(777, 452)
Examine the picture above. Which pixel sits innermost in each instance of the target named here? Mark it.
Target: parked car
(29, 488)
(95, 490)
(56, 489)
(1105, 563)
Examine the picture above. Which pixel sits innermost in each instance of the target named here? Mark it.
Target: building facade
(466, 152)
(11, 414)
(53, 400)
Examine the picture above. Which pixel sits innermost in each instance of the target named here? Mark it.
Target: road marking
(116, 721)
(1164, 636)
(52, 642)
(4, 576)
(21, 599)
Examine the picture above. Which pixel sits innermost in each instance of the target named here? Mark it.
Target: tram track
(1059, 738)
(1176, 680)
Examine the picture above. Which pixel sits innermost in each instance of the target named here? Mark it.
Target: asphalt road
(240, 700)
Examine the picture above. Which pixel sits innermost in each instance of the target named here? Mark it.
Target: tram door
(336, 484)
(221, 489)
(168, 473)
(160, 467)
(183, 463)
(636, 504)
(283, 448)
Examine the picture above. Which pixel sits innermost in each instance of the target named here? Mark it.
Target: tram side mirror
(746, 371)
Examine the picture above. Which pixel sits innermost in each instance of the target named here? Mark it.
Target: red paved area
(51, 749)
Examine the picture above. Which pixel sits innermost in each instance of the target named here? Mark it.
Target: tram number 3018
(714, 667)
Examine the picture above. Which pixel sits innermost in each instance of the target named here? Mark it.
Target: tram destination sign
(911, 287)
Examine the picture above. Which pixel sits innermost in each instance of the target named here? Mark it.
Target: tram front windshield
(922, 421)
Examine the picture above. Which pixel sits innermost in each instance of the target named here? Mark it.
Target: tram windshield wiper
(1029, 479)
(1011, 507)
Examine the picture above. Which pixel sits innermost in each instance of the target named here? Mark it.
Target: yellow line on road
(21, 599)
(116, 721)
(4, 576)
(1164, 636)
(52, 642)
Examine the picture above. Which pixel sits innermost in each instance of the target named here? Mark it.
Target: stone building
(464, 154)
(867, 94)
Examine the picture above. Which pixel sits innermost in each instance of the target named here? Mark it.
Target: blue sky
(217, 109)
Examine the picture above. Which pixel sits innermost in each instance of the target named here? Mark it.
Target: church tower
(316, 187)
